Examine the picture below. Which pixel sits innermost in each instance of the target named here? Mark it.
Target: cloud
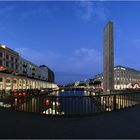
(88, 53)
(21, 50)
(87, 10)
(81, 64)
(87, 59)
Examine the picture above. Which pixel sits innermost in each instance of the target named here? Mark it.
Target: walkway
(121, 124)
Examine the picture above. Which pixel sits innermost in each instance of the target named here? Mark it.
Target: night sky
(68, 36)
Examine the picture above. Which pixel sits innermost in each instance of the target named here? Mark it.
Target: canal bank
(120, 124)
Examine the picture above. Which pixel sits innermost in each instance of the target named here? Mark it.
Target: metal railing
(70, 105)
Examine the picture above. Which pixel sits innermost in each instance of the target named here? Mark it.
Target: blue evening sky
(68, 36)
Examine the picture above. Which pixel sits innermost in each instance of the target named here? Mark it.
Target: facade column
(11, 80)
(4, 83)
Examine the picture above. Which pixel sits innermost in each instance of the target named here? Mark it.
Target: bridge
(98, 116)
(70, 105)
(119, 124)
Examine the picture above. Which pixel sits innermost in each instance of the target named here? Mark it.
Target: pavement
(120, 124)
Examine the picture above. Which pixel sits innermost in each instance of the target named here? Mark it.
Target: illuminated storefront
(124, 77)
(11, 82)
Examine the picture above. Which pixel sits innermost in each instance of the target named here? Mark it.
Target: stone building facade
(124, 77)
(19, 73)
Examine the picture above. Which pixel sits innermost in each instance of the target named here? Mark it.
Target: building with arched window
(19, 73)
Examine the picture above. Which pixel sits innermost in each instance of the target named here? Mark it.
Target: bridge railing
(71, 105)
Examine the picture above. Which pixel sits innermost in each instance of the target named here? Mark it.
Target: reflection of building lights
(55, 103)
(52, 112)
(62, 113)
(108, 109)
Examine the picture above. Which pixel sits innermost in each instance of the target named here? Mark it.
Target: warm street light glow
(3, 46)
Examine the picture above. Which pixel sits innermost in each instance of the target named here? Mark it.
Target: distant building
(51, 77)
(124, 77)
(19, 73)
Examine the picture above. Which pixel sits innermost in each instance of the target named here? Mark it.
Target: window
(8, 81)
(16, 66)
(7, 56)
(7, 64)
(12, 65)
(0, 62)
(0, 54)
(12, 59)
(16, 60)
(1, 79)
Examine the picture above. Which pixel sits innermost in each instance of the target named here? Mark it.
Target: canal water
(76, 102)
(61, 103)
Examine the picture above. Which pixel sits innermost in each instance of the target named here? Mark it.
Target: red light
(47, 102)
(20, 94)
(2, 67)
(24, 93)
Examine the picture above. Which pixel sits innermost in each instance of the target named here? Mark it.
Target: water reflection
(67, 102)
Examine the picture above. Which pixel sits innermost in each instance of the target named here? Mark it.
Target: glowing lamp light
(2, 67)
(3, 46)
(20, 94)
(24, 93)
(47, 102)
